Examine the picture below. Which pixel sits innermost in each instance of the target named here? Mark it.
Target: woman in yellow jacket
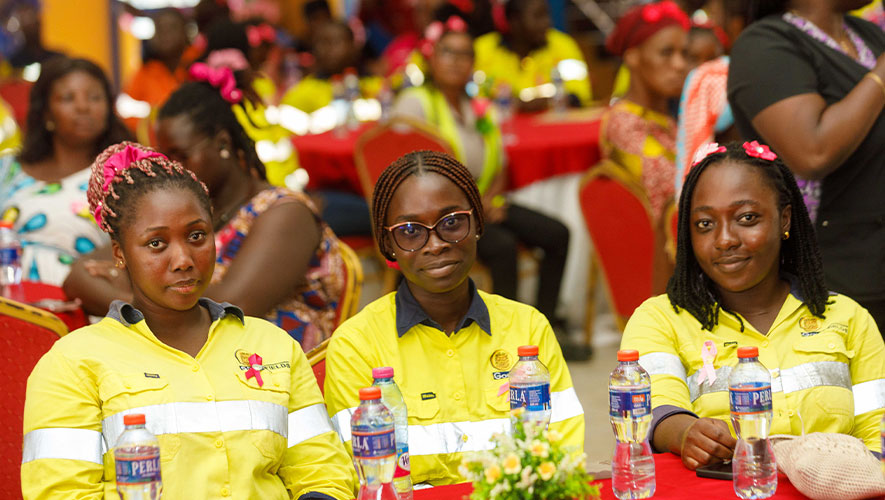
(470, 129)
(231, 398)
(450, 345)
(748, 273)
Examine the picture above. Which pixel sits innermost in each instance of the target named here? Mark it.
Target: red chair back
(618, 219)
(317, 359)
(381, 145)
(26, 333)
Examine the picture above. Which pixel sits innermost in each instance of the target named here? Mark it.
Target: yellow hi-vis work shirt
(221, 435)
(827, 375)
(452, 385)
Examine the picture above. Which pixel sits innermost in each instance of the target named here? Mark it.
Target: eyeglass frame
(430, 229)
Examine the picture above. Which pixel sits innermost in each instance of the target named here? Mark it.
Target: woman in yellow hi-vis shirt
(450, 345)
(748, 273)
(231, 398)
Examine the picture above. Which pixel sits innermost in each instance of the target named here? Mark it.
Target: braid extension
(116, 202)
(417, 163)
(692, 290)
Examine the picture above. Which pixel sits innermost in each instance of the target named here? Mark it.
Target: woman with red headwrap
(637, 132)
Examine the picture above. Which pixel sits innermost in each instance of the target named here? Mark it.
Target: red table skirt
(673, 482)
(545, 146)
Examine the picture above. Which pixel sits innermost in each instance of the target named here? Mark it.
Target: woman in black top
(810, 81)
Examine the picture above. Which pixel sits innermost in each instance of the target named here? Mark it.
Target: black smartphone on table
(719, 470)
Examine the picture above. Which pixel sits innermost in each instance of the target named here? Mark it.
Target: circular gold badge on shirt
(501, 360)
(809, 324)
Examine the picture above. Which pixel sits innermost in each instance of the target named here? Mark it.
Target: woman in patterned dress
(43, 188)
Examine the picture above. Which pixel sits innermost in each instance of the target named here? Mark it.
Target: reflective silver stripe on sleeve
(455, 437)
(341, 423)
(869, 396)
(62, 443)
(564, 405)
(215, 416)
(662, 363)
(308, 422)
(788, 380)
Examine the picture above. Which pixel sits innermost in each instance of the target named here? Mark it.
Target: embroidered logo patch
(243, 355)
(810, 324)
(500, 375)
(501, 360)
(428, 395)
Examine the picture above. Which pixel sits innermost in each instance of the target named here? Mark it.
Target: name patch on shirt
(242, 356)
(151, 375)
(428, 395)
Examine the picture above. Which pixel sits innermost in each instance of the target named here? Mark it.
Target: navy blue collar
(128, 315)
(409, 313)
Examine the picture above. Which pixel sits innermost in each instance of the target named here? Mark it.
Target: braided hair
(209, 113)
(694, 291)
(114, 205)
(419, 163)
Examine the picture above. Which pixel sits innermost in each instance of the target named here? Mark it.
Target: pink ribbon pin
(255, 368)
(708, 354)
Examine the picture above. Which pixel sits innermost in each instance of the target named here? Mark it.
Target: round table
(545, 145)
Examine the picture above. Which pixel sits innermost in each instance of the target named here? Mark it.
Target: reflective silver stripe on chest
(788, 380)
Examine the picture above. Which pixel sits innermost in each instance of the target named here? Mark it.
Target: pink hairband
(227, 58)
(221, 78)
(119, 162)
(753, 149)
(260, 33)
(435, 31)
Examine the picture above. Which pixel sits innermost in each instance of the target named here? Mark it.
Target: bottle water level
(633, 470)
(755, 471)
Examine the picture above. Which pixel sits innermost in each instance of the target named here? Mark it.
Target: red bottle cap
(748, 352)
(527, 350)
(370, 393)
(133, 419)
(384, 372)
(6, 223)
(628, 355)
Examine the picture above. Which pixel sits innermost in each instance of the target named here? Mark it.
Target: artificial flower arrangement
(527, 464)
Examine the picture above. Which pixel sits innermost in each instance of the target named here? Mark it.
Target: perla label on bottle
(368, 443)
(637, 402)
(403, 466)
(137, 470)
(531, 398)
(8, 256)
(750, 398)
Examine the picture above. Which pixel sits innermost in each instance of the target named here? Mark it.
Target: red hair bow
(220, 78)
(260, 33)
(436, 30)
(761, 151)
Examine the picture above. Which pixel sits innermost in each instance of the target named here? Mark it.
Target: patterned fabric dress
(643, 142)
(309, 313)
(52, 220)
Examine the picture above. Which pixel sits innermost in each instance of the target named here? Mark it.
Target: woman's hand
(705, 441)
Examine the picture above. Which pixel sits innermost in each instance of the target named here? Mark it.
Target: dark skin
(168, 250)
(78, 111)
(231, 184)
(812, 137)
(737, 230)
(528, 32)
(170, 38)
(436, 274)
(658, 67)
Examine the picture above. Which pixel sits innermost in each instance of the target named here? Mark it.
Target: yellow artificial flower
(546, 470)
(540, 449)
(493, 473)
(553, 436)
(512, 464)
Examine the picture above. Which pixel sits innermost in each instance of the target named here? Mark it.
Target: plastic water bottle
(749, 390)
(629, 389)
(530, 388)
(505, 108)
(137, 461)
(560, 98)
(393, 400)
(374, 446)
(10, 257)
(352, 94)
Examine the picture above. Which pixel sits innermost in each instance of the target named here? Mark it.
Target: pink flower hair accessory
(221, 78)
(262, 33)
(120, 162)
(706, 150)
(437, 29)
(761, 151)
(227, 58)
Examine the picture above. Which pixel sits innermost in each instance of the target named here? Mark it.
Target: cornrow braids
(209, 113)
(692, 290)
(418, 163)
(114, 206)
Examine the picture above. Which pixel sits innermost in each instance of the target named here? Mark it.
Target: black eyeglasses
(451, 228)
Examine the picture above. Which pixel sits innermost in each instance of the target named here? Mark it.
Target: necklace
(864, 57)
(230, 212)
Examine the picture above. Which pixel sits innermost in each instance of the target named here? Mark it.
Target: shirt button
(790, 413)
(832, 346)
(225, 492)
(219, 443)
(457, 396)
(450, 353)
(195, 368)
(764, 343)
(128, 385)
(825, 223)
(209, 397)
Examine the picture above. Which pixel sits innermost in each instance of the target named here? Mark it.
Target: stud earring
(786, 235)
(225, 154)
(120, 264)
(477, 236)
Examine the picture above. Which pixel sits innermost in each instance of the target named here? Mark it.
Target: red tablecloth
(33, 292)
(545, 146)
(673, 482)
